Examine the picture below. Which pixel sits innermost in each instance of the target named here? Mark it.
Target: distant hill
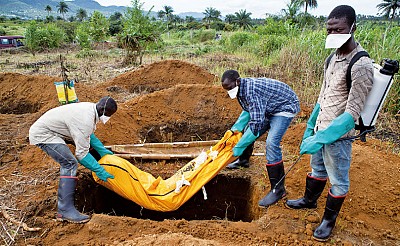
(196, 15)
(32, 9)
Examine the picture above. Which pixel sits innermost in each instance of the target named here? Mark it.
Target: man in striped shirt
(333, 119)
(268, 105)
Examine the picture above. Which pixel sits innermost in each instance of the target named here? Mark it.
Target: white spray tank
(383, 80)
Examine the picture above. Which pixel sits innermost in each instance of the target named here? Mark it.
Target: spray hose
(284, 176)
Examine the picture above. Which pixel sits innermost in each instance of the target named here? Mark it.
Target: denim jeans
(333, 161)
(63, 155)
(276, 126)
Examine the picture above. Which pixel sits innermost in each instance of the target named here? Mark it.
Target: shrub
(42, 36)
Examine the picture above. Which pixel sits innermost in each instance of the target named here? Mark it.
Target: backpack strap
(328, 60)
(352, 61)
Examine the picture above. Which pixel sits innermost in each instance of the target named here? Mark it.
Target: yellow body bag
(167, 195)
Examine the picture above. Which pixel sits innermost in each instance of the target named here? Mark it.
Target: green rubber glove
(247, 139)
(311, 122)
(90, 163)
(241, 122)
(339, 126)
(98, 146)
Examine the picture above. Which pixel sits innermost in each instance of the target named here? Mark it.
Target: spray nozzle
(390, 67)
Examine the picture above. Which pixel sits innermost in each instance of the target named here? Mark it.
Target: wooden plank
(164, 151)
(157, 156)
(168, 145)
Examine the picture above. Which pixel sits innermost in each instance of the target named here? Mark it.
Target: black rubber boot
(275, 173)
(244, 160)
(66, 210)
(314, 188)
(332, 208)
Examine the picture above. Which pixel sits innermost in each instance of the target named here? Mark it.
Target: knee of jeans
(69, 164)
(339, 190)
(272, 144)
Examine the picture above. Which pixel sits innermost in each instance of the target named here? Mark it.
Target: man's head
(106, 106)
(341, 20)
(230, 79)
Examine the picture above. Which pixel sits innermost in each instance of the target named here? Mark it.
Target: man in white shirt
(75, 123)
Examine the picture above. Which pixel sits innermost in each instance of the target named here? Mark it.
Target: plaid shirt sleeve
(263, 97)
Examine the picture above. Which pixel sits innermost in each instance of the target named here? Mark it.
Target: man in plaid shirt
(333, 119)
(268, 105)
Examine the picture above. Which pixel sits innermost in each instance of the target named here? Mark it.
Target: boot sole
(281, 199)
(72, 221)
(287, 206)
(320, 239)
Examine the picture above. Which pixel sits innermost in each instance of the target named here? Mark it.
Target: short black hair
(344, 11)
(106, 105)
(231, 75)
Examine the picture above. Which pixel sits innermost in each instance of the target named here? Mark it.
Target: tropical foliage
(62, 8)
(139, 32)
(389, 8)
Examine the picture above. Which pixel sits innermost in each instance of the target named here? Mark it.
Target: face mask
(336, 41)
(104, 119)
(233, 92)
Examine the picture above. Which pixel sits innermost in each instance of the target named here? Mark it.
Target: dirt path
(177, 101)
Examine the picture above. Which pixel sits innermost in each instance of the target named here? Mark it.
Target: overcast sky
(258, 8)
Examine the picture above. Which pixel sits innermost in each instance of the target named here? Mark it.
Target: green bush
(203, 35)
(43, 36)
(83, 36)
(277, 27)
(69, 29)
(269, 44)
(238, 40)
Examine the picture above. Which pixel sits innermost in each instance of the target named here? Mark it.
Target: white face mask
(104, 119)
(233, 92)
(336, 41)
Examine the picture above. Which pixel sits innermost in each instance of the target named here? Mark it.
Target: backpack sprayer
(382, 81)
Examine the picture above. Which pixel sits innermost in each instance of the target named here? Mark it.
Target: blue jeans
(276, 126)
(333, 161)
(63, 155)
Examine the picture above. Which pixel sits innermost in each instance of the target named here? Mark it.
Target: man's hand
(104, 175)
(338, 127)
(247, 139)
(310, 146)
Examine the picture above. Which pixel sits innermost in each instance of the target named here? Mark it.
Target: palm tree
(307, 3)
(229, 18)
(168, 10)
(62, 8)
(189, 18)
(48, 9)
(161, 14)
(81, 14)
(243, 19)
(292, 10)
(211, 14)
(389, 6)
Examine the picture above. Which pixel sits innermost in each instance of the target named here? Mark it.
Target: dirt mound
(160, 75)
(177, 101)
(21, 94)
